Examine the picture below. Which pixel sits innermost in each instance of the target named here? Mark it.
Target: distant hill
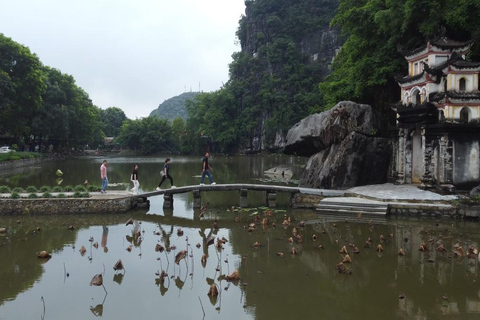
(174, 107)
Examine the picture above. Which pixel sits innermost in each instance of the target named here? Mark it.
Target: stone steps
(353, 206)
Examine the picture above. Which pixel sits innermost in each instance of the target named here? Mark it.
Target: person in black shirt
(134, 179)
(166, 174)
(206, 170)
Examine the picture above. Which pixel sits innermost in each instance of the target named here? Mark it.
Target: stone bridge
(270, 193)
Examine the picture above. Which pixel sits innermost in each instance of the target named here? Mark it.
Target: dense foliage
(364, 68)
(272, 85)
(174, 107)
(147, 135)
(40, 105)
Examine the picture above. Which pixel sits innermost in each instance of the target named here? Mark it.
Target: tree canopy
(364, 69)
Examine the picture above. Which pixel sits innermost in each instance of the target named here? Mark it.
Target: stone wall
(65, 206)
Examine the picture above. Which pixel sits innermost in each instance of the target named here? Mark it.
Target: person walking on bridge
(134, 179)
(206, 170)
(103, 175)
(166, 174)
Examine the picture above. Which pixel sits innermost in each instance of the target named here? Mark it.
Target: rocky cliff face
(260, 31)
(343, 148)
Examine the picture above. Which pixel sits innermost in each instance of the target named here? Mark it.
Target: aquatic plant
(94, 188)
(45, 189)
(79, 188)
(31, 189)
(4, 189)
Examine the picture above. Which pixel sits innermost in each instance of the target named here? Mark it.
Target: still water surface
(419, 285)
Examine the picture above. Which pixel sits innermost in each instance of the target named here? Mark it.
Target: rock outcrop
(343, 148)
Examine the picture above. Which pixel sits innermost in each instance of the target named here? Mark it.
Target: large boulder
(319, 131)
(343, 147)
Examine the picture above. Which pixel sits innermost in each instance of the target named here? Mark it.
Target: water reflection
(433, 284)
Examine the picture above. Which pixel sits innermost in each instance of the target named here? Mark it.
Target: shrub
(79, 188)
(17, 190)
(31, 189)
(85, 195)
(46, 195)
(57, 189)
(45, 189)
(68, 189)
(94, 188)
(4, 189)
(32, 196)
(77, 194)
(61, 195)
(14, 195)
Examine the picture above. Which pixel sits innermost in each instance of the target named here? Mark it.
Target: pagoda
(438, 119)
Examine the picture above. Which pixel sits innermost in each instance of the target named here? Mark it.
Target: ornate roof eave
(409, 80)
(453, 96)
(448, 44)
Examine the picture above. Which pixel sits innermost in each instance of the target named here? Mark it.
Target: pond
(274, 283)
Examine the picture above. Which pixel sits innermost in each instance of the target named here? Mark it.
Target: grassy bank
(19, 155)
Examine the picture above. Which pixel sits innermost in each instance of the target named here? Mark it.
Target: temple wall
(466, 161)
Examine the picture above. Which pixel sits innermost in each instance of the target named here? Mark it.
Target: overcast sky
(129, 54)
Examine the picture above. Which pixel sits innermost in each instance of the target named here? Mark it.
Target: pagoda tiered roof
(442, 43)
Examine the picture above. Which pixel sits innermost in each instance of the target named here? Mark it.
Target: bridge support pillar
(197, 199)
(243, 198)
(271, 199)
(168, 201)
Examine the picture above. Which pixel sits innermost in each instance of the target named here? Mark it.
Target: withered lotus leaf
(344, 250)
(213, 291)
(347, 259)
(97, 280)
(159, 248)
(95, 245)
(234, 276)
(401, 252)
(130, 221)
(210, 240)
(118, 265)
(83, 250)
(43, 255)
(379, 248)
(181, 255)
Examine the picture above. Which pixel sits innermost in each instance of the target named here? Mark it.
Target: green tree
(112, 119)
(21, 87)
(147, 135)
